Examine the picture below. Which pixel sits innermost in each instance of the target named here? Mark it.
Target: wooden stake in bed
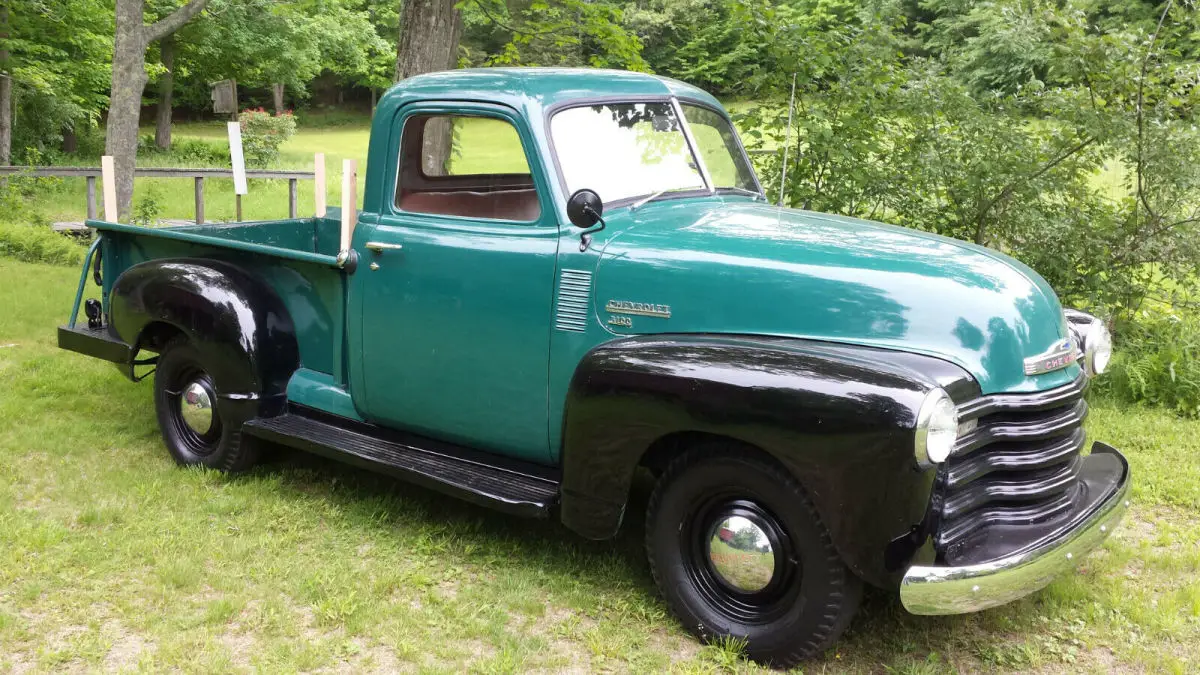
(349, 201)
(319, 183)
(110, 188)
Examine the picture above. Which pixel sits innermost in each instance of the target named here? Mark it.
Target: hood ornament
(1061, 355)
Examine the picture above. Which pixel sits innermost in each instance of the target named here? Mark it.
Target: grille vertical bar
(574, 300)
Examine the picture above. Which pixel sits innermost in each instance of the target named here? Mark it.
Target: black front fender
(236, 321)
(840, 418)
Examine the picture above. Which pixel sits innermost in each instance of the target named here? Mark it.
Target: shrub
(1158, 362)
(263, 133)
(37, 243)
(187, 151)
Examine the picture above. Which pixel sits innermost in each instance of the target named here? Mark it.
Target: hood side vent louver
(574, 294)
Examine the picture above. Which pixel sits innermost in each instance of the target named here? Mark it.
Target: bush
(37, 243)
(1158, 362)
(263, 133)
(187, 151)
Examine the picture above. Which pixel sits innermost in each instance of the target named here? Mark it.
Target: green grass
(112, 558)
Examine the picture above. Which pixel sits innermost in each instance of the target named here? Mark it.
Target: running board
(435, 465)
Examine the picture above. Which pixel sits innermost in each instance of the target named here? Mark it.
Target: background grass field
(113, 559)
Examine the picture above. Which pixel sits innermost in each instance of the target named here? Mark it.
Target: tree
(428, 42)
(166, 90)
(429, 35)
(5, 91)
(58, 72)
(132, 37)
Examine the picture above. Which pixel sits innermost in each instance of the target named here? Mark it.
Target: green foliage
(191, 152)
(147, 208)
(1159, 362)
(263, 133)
(550, 33)
(38, 243)
(60, 60)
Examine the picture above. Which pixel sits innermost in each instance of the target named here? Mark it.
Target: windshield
(629, 150)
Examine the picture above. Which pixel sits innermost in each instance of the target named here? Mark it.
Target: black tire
(220, 446)
(811, 595)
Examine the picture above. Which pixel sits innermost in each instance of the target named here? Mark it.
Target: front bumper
(928, 589)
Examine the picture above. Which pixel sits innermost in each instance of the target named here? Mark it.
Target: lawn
(111, 558)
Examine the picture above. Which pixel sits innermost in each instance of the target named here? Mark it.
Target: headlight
(1095, 342)
(1097, 348)
(937, 428)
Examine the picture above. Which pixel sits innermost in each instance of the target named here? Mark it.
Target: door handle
(380, 247)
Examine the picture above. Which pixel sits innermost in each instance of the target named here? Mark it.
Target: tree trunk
(70, 140)
(125, 99)
(277, 92)
(128, 83)
(166, 91)
(5, 91)
(429, 34)
(428, 42)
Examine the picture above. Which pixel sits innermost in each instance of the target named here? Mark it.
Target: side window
(466, 166)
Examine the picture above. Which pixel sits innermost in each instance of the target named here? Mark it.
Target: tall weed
(1158, 362)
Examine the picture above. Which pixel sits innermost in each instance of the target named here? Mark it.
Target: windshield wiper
(742, 190)
(651, 197)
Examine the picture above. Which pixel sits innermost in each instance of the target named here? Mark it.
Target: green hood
(739, 267)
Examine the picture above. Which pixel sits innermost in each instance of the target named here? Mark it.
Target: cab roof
(525, 88)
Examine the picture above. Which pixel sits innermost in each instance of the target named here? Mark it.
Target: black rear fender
(235, 320)
(840, 418)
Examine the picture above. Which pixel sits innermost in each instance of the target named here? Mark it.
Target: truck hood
(739, 267)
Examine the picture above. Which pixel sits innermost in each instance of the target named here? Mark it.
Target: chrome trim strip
(1039, 400)
(932, 589)
(693, 146)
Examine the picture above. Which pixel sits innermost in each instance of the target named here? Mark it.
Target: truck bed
(297, 257)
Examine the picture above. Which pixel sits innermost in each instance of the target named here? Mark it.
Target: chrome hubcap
(741, 553)
(196, 407)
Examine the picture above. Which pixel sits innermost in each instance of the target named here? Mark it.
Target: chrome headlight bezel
(1094, 341)
(937, 429)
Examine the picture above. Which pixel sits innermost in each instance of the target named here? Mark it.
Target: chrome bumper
(970, 588)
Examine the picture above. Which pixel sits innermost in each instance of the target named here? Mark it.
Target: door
(455, 283)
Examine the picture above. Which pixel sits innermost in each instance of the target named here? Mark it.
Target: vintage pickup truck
(561, 277)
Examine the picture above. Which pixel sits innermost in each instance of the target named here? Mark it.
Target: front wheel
(189, 415)
(737, 550)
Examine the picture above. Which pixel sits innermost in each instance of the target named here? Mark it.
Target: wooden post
(238, 201)
(349, 201)
(107, 174)
(91, 197)
(291, 198)
(319, 183)
(199, 200)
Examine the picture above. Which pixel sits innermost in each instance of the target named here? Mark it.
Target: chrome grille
(574, 293)
(1018, 467)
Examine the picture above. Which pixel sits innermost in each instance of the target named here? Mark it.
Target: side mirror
(584, 209)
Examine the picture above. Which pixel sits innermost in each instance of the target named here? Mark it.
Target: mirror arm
(585, 238)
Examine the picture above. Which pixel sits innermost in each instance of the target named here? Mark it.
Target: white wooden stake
(237, 159)
(319, 183)
(349, 201)
(108, 175)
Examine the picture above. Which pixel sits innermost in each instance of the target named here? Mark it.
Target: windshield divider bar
(695, 149)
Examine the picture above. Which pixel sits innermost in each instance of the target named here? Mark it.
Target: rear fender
(235, 320)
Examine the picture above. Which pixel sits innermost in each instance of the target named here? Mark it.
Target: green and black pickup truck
(561, 277)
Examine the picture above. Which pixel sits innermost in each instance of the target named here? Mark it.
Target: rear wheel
(189, 414)
(737, 549)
